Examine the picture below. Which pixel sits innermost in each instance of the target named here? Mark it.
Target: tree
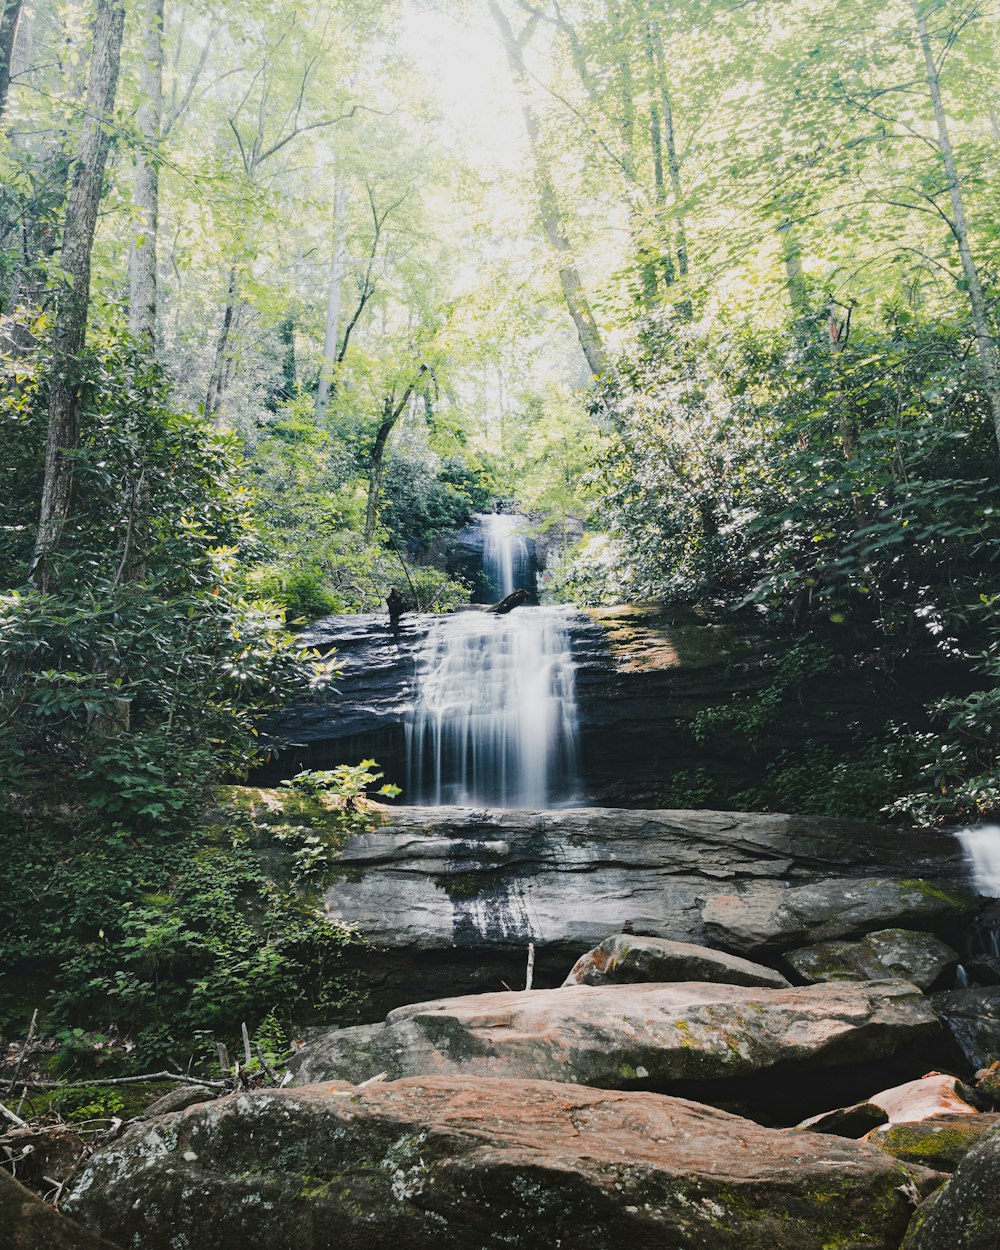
(142, 256)
(70, 329)
(10, 14)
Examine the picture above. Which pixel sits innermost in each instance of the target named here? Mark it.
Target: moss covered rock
(920, 958)
(965, 1215)
(940, 1142)
(470, 1164)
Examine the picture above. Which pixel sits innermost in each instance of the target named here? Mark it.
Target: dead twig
(24, 1050)
(146, 1079)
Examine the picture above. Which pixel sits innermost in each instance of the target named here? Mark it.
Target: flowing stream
(494, 721)
(982, 851)
(506, 554)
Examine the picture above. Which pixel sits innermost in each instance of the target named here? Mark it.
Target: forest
(706, 291)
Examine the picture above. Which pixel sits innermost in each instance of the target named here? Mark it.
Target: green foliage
(347, 784)
(139, 676)
(171, 941)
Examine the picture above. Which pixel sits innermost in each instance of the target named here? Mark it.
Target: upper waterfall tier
(494, 720)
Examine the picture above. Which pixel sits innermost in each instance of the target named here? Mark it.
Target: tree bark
(670, 144)
(10, 13)
(329, 364)
(142, 257)
(70, 327)
(574, 293)
(985, 343)
(391, 412)
(217, 378)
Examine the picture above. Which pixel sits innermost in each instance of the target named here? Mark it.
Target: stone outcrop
(628, 960)
(452, 896)
(468, 1164)
(644, 673)
(965, 1214)
(940, 1142)
(622, 1036)
(27, 1223)
(920, 958)
(973, 1018)
(768, 918)
(935, 1094)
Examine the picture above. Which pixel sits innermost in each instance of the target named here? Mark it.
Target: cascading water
(982, 850)
(506, 554)
(494, 721)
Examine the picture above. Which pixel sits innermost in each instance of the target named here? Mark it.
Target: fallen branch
(24, 1050)
(146, 1079)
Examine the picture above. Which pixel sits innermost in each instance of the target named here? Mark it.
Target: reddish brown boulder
(627, 960)
(469, 1164)
(618, 1036)
(27, 1223)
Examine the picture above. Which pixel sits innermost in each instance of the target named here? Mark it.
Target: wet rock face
(622, 1036)
(965, 1215)
(766, 918)
(26, 1223)
(469, 1164)
(973, 1018)
(920, 958)
(644, 672)
(630, 960)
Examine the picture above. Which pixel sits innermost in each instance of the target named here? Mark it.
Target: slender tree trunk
(329, 365)
(217, 378)
(795, 282)
(142, 258)
(574, 293)
(70, 327)
(391, 412)
(10, 13)
(985, 343)
(670, 144)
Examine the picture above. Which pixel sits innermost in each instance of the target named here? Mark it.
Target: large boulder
(903, 954)
(769, 918)
(470, 1164)
(450, 897)
(27, 1223)
(973, 1017)
(965, 1214)
(621, 1036)
(628, 960)
(940, 1141)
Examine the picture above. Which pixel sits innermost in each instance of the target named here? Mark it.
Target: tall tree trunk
(217, 378)
(70, 327)
(670, 144)
(10, 13)
(795, 281)
(391, 412)
(574, 293)
(985, 343)
(329, 364)
(142, 257)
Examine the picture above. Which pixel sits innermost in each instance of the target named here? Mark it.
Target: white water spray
(506, 554)
(982, 851)
(494, 722)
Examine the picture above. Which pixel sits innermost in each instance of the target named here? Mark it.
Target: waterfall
(506, 554)
(494, 720)
(982, 850)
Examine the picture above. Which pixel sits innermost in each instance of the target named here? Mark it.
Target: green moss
(465, 885)
(941, 1149)
(960, 902)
